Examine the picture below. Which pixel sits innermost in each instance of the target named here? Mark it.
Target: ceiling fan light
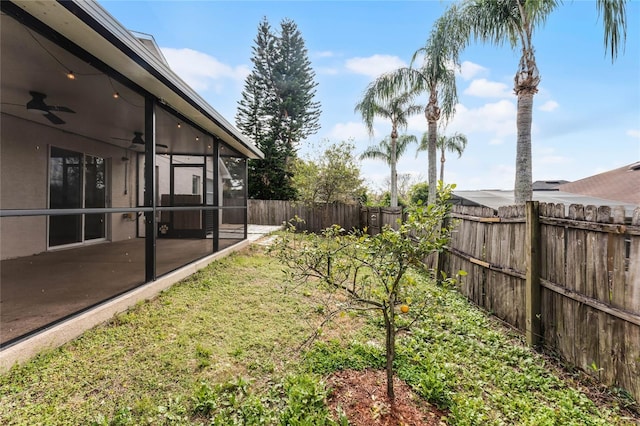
(71, 75)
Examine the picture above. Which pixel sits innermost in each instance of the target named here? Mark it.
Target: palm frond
(455, 143)
(614, 19)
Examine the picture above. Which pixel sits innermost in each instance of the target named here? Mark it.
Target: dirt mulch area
(362, 397)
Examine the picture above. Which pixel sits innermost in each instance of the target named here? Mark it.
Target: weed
(299, 400)
(327, 357)
(203, 356)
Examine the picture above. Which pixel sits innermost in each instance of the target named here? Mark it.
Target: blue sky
(586, 116)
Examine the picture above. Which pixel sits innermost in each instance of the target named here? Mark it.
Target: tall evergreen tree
(277, 108)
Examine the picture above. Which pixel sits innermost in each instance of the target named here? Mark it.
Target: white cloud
(488, 89)
(497, 119)
(350, 130)
(496, 141)
(634, 133)
(546, 155)
(202, 71)
(468, 70)
(374, 66)
(417, 124)
(549, 106)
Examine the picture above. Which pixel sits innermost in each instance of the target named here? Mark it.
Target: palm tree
(499, 21)
(386, 152)
(435, 76)
(397, 109)
(455, 143)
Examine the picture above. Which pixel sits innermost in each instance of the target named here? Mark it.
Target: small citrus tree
(370, 271)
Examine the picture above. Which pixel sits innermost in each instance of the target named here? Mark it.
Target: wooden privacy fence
(320, 216)
(567, 277)
(316, 217)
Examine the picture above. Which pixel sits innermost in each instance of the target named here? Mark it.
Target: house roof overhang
(93, 29)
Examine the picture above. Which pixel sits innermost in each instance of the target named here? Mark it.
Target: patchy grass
(229, 320)
(480, 372)
(222, 347)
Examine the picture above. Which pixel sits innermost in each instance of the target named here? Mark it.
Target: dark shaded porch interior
(41, 289)
(128, 152)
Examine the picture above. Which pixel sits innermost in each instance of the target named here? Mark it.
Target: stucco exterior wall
(24, 161)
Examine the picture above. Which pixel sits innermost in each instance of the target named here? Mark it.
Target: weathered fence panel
(316, 217)
(589, 280)
(376, 218)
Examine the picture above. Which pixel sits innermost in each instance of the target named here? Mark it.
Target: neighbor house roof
(89, 26)
(547, 185)
(622, 184)
(499, 198)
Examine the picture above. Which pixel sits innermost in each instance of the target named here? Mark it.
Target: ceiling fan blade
(61, 109)
(37, 104)
(54, 118)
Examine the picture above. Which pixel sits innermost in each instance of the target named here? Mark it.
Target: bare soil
(362, 397)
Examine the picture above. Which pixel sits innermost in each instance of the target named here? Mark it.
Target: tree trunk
(431, 156)
(390, 346)
(394, 174)
(523, 186)
(432, 113)
(442, 160)
(525, 86)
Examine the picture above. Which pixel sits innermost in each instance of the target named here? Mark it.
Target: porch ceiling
(30, 62)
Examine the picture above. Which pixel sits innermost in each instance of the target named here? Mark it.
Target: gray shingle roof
(622, 184)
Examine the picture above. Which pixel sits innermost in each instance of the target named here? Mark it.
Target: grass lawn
(223, 347)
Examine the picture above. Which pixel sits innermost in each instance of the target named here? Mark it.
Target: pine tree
(277, 108)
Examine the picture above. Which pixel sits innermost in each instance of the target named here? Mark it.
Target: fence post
(532, 292)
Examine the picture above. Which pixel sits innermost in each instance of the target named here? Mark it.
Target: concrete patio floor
(36, 291)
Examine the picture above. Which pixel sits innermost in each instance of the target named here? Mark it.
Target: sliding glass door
(76, 181)
(94, 197)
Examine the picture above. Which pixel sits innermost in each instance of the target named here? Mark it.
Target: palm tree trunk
(442, 160)
(526, 85)
(431, 157)
(523, 186)
(432, 113)
(394, 174)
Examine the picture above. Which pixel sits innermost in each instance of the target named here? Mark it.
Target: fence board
(632, 291)
(575, 272)
(631, 363)
(549, 320)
